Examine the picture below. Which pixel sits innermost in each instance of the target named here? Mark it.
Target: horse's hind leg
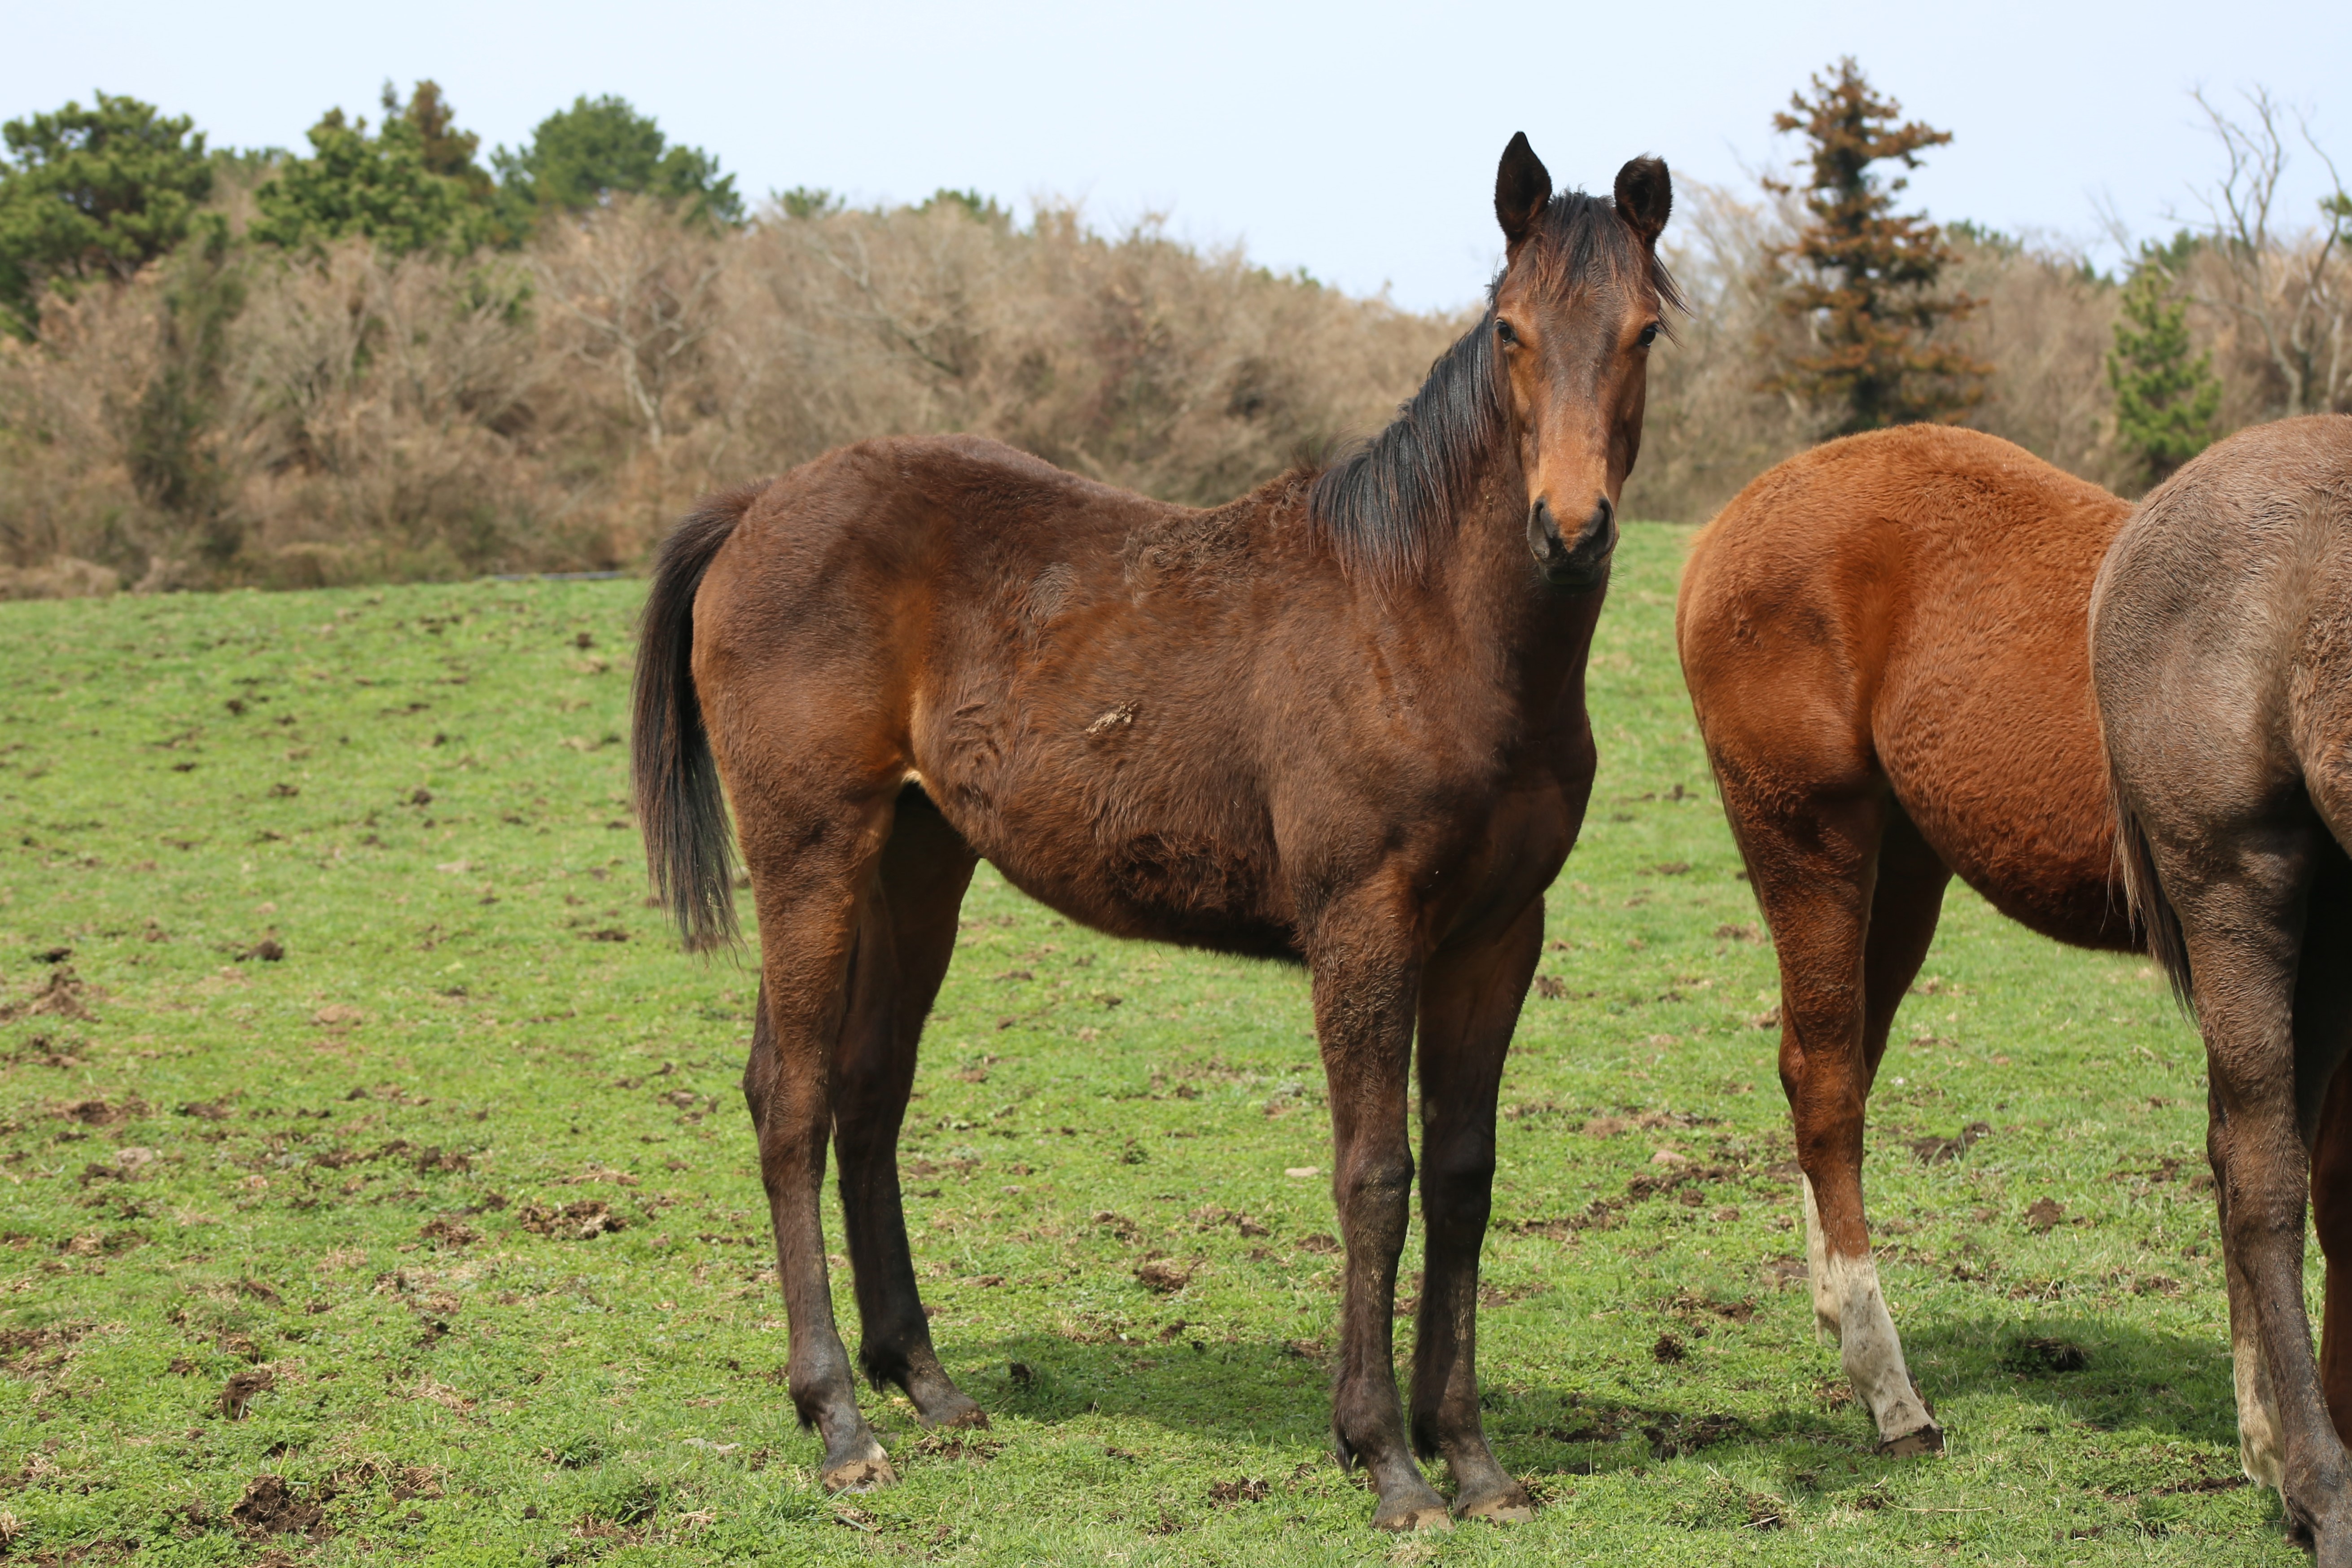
(2240, 891)
(903, 947)
(811, 867)
(2322, 1030)
(1470, 999)
(1852, 892)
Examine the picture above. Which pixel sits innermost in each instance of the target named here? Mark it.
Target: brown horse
(1339, 720)
(2222, 653)
(1883, 638)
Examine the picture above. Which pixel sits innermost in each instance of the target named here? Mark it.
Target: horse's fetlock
(885, 1366)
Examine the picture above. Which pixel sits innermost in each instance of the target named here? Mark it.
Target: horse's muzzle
(1581, 564)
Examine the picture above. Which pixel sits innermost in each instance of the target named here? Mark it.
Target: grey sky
(1359, 141)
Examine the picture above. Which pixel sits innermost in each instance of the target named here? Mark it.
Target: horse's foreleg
(1470, 999)
(904, 946)
(1364, 1003)
(1818, 878)
(809, 897)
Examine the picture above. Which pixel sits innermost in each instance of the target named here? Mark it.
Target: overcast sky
(1355, 140)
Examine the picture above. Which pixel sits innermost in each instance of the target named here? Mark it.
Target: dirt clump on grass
(1677, 1436)
(103, 1113)
(237, 1394)
(446, 1232)
(1165, 1275)
(2040, 1355)
(63, 995)
(581, 1221)
(270, 1506)
(1943, 1150)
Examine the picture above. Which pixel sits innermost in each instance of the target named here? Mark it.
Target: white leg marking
(1829, 1308)
(1872, 1354)
(2258, 1416)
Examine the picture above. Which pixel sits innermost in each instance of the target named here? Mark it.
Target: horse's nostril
(1543, 520)
(1602, 512)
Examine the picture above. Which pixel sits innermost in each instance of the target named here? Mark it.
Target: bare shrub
(2045, 325)
(1709, 427)
(359, 417)
(427, 417)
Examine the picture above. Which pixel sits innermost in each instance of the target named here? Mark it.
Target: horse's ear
(1645, 196)
(1522, 185)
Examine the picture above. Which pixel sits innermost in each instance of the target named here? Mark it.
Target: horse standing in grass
(1339, 721)
(1885, 642)
(2220, 651)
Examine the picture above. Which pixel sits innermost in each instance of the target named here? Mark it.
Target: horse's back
(1906, 609)
(945, 506)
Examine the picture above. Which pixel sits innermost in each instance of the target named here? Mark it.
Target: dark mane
(1381, 508)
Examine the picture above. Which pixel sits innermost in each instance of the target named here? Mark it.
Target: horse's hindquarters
(2220, 661)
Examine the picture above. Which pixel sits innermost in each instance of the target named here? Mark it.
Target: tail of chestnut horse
(681, 811)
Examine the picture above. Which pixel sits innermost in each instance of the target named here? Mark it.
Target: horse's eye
(1649, 335)
(1507, 332)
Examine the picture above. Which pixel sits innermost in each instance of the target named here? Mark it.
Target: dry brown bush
(2045, 325)
(423, 417)
(365, 419)
(1708, 428)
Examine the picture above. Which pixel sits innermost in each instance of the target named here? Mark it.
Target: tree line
(97, 194)
(388, 354)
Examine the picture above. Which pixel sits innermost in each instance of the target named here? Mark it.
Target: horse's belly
(1098, 854)
(1157, 886)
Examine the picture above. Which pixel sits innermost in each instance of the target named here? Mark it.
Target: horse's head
(1580, 300)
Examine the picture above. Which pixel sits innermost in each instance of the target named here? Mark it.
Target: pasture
(376, 1186)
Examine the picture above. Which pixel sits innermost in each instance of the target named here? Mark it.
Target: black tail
(2151, 911)
(681, 809)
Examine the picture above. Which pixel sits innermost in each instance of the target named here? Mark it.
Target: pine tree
(1866, 274)
(411, 186)
(2165, 401)
(581, 157)
(86, 194)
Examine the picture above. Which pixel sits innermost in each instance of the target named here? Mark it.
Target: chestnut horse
(1883, 638)
(2222, 655)
(1339, 721)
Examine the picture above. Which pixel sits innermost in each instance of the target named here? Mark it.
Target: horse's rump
(1901, 611)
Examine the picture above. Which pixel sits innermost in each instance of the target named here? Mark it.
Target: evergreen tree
(581, 157)
(92, 193)
(172, 445)
(2166, 402)
(1867, 274)
(413, 186)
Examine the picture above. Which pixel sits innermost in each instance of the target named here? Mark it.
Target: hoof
(1911, 1444)
(860, 1476)
(948, 1414)
(1403, 1520)
(1511, 1507)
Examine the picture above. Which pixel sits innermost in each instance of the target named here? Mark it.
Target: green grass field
(376, 1186)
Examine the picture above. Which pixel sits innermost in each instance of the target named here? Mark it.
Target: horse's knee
(1458, 1189)
(1375, 1193)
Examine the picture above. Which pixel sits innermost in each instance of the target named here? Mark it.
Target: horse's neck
(1496, 628)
